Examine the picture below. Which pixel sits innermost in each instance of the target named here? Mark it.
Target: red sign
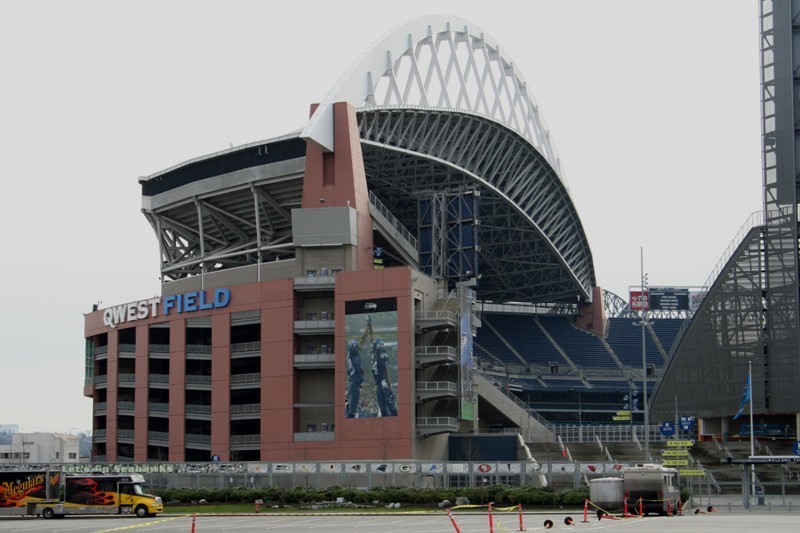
(640, 301)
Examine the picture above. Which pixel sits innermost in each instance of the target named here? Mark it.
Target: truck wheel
(48, 513)
(141, 512)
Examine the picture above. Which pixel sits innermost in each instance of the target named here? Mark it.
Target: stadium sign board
(639, 301)
(661, 299)
(669, 299)
(675, 452)
(680, 443)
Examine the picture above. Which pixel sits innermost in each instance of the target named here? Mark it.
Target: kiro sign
(174, 303)
(660, 299)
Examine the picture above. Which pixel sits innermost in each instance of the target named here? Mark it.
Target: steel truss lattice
(441, 107)
(533, 247)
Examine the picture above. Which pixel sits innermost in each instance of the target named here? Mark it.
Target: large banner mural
(371, 358)
(466, 362)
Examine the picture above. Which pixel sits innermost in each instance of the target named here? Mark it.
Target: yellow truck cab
(102, 494)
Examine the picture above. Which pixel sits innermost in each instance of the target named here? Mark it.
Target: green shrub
(574, 497)
(499, 494)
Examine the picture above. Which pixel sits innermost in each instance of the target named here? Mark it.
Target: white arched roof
(439, 62)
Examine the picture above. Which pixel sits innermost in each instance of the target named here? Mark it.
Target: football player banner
(370, 358)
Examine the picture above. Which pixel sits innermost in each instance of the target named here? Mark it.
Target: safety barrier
(674, 508)
(490, 515)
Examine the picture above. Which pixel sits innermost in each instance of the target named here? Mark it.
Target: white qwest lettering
(114, 316)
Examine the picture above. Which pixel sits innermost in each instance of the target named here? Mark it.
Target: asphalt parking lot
(438, 522)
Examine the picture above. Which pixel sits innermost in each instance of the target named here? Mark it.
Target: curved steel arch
(533, 247)
(441, 89)
(441, 62)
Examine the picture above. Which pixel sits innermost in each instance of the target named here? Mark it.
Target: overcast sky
(653, 106)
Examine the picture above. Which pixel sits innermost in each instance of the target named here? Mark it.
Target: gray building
(41, 448)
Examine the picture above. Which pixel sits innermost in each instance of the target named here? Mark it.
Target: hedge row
(301, 495)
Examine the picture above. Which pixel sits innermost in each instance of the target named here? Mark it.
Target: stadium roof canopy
(441, 108)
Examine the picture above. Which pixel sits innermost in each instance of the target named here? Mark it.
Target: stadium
(408, 271)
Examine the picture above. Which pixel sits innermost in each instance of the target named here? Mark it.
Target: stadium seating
(583, 348)
(521, 332)
(624, 335)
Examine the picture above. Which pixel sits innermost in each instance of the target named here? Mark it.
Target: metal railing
(252, 377)
(158, 348)
(441, 314)
(160, 436)
(322, 281)
(246, 408)
(194, 438)
(240, 347)
(307, 436)
(198, 409)
(533, 414)
(446, 386)
(435, 350)
(313, 325)
(387, 214)
(436, 421)
(198, 349)
(245, 439)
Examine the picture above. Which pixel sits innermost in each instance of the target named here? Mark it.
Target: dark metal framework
(708, 364)
(780, 65)
(219, 222)
(533, 247)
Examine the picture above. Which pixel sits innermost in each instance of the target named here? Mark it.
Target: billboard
(669, 299)
(371, 358)
(660, 299)
(639, 301)
(695, 299)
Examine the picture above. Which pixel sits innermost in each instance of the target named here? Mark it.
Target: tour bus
(55, 494)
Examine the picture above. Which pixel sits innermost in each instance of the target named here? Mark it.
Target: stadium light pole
(645, 306)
